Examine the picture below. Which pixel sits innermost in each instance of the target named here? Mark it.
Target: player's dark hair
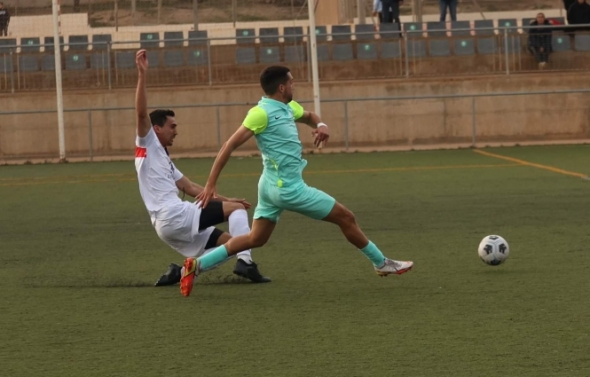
(159, 117)
(272, 77)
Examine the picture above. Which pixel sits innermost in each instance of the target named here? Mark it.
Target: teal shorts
(300, 198)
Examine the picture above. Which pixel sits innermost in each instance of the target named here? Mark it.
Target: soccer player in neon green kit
(281, 186)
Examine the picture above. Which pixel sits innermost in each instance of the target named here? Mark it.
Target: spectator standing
(579, 14)
(451, 5)
(567, 4)
(390, 9)
(539, 40)
(378, 10)
(4, 20)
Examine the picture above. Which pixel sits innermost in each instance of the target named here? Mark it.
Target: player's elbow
(314, 118)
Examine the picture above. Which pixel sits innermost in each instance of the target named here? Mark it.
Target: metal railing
(408, 121)
(411, 55)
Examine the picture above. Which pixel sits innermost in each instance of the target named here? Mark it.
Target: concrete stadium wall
(397, 123)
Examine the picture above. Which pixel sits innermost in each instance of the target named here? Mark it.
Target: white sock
(238, 226)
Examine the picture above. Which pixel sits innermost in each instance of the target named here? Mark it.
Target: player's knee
(347, 217)
(233, 205)
(237, 206)
(230, 207)
(341, 216)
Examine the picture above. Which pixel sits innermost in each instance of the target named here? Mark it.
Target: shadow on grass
(121, 283)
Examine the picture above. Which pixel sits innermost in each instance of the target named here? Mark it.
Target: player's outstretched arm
(188, 187)
(239, 137)
(143, 119)
(194, 189)
(320, 129)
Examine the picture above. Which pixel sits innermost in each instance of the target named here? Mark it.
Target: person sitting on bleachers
(579, 14)
(539, 41)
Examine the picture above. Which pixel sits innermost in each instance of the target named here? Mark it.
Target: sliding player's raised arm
(143, 119)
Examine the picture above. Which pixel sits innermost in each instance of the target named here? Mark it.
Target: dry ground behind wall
(376, 123)
(101, 13)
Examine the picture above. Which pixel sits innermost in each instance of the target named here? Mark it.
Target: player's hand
(321, 136)
(141, 61)
(241, 201)
(206, 195)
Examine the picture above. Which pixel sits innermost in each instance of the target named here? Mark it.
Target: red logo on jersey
(140, 152)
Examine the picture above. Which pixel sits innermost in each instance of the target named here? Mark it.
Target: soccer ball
(493, 250)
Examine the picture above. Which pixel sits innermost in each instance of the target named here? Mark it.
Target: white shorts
(181, 230)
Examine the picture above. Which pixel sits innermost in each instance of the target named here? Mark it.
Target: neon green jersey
(273, 124)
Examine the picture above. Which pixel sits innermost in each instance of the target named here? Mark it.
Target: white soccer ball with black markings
(493, 250)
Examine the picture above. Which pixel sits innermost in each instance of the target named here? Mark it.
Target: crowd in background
(541, 29)
(539, 41)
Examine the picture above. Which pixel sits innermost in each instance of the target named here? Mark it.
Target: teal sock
(213, 258)
(375, 255)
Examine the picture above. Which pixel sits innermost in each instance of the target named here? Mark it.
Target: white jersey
(157, 177)
(175, 221)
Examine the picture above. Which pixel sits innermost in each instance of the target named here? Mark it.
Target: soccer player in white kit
(183, 225)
